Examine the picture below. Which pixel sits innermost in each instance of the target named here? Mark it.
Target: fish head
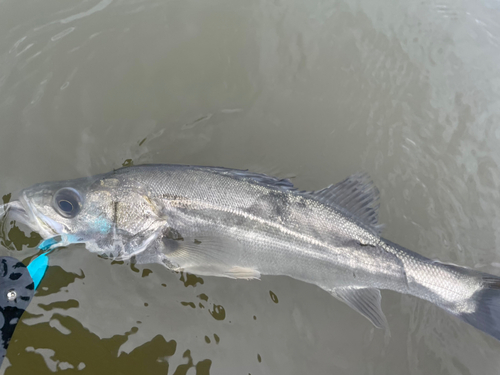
(111, 216)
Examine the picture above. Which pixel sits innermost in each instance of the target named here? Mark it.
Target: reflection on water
(17, 238)
(12, 236)
(59, 281)
(313, 89)
(63, 305)
(217, 312)
(274, 297)
(93, 354)
(190, 279)
(87, 354)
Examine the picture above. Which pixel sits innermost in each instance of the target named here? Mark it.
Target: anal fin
(366, 301)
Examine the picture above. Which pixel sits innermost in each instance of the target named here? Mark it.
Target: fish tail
(486, 315)
(472, 296)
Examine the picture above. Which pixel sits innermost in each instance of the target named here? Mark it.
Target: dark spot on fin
(171, 239)
(172, 234)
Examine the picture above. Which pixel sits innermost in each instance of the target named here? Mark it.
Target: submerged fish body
(232, 223)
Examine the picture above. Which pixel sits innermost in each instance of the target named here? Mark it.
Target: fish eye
(67, 202)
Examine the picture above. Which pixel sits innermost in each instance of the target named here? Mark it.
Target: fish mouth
(29, 215)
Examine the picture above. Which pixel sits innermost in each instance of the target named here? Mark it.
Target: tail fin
(486, 316)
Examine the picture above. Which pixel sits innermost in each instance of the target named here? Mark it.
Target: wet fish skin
(231, 223)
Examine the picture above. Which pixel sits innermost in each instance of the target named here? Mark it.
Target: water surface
(314, 90)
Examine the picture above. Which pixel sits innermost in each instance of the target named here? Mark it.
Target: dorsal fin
(357, 194)
(239, 174)
(259, 178)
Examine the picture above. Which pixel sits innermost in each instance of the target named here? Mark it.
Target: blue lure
(17, 288)
(37, 268)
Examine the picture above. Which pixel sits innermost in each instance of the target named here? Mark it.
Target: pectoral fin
(365, 301)
(206, 256)
(233, 272)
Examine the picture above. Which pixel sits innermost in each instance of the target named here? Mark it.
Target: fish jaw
(44, 225)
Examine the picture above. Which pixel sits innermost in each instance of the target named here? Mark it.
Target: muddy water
(314, 90)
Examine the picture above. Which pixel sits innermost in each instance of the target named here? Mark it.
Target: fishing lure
(17, 287)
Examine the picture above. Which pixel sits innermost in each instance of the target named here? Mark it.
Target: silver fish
(233, 223)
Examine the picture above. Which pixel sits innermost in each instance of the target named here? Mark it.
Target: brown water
(315, 90)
